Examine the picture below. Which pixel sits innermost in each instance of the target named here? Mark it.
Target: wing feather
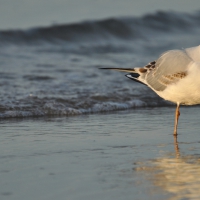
(170, 67)
(194, 53)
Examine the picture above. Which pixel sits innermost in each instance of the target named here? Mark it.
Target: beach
(69, 130)
(118, 155)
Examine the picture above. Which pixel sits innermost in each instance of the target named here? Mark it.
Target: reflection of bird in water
(174, 76)
(179, 176)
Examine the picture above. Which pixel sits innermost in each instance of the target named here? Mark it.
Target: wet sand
(119, 155)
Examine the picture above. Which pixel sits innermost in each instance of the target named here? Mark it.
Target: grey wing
(194, 53)
(170, 67)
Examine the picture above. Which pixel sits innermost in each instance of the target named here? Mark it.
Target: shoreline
(109, 156)
(173, 105)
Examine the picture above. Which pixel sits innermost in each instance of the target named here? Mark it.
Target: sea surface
(54, 71)
(69, 130)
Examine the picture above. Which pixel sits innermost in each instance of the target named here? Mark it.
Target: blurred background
(28, 13)
(51, 52)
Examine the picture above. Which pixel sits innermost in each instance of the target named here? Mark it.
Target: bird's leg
(177, 114)
(176, 146)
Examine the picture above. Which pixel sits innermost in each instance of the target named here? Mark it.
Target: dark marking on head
(143, 70)
(134, 78)
(134, 75)
(153, 62)
(150, 65)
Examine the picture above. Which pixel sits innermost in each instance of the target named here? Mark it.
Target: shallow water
(120, 155)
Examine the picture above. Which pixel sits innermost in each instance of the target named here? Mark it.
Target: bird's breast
(186, 90)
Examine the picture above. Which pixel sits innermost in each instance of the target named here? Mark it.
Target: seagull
(174, 76)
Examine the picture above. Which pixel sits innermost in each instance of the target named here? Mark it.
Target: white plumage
(174, 76)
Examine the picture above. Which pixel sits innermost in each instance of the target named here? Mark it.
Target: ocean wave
(118, 28)
(36, 107)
